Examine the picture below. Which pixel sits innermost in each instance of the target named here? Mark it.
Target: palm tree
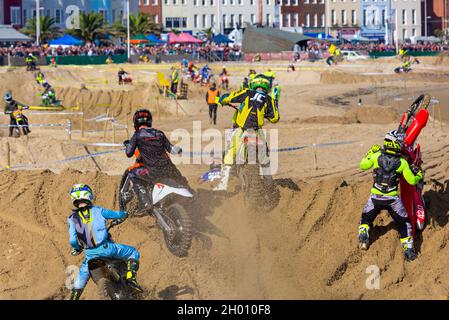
(209, 33)
(47, 28)
(176, 31)
(92, 26)
(142, 23)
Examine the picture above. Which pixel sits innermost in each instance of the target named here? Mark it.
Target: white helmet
(81, 193)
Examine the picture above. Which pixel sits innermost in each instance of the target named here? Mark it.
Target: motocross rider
(388, 165)
(153, 147)
(88, 230)
(255, 105)
(11, 107)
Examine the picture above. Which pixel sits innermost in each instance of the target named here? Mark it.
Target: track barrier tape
(102, 153)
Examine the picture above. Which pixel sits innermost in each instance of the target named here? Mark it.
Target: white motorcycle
(169, 208)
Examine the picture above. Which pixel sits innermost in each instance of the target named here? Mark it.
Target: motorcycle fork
(160, 220)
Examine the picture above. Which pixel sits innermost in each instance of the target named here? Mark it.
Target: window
(204, 21)
(195, 3)
(156, 18)
(307, 20)
(232, 22)
(146, 2)
(175, 22)
(295, 2)
(404, 33)
(305, 1)
(268, 2)
(251, 2)
(203, 3)
(413, 32)
(323, 20)
(167, 3)
(224, 2)
(343, 17)
(413, 17)
(373, 17)
(253, 18)
(175, 2)
(287, 2)
(231, 2)
(315, 20)
(212, 20)
(353, 17)
(240, 20)
(333, 17)
(268, 19)
(195, 21)
(183, 2)
(287, 20)
(295, 20)
(364, 17)
(154, 2)
(404, 16)
(384, 17)
(25, 16)
(224, 21)
(212, 3)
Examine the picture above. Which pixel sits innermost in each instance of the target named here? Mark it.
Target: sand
(305, 248)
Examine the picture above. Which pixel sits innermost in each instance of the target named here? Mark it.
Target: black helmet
(8, 97)
(142, 117)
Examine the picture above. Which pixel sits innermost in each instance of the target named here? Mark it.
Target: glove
(176, 150)
(75, 252)
(375, 148)
(126, 142)
(419, 174)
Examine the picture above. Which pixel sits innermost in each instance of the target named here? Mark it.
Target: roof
(9, 34)
(266, 40)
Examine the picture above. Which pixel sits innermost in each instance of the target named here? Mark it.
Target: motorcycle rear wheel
(106, 289)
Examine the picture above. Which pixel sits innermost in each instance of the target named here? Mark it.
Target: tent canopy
(269, 40)
(153, 39)
(66, 40)
(220, 38)
(9, 34)
(182, 38)
(138, 39)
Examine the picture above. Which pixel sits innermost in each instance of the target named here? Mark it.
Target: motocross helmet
(81, 193)
(142, 117)
(394, 142)
(8, 97)
(260, 81)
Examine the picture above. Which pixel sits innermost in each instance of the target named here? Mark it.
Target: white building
(408, 16)
(198, 15)
(1, 12)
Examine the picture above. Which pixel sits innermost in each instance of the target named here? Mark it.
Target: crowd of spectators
(224, 52)
(313, 46)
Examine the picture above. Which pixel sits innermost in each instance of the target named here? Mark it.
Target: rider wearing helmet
(154, 149)
(255, 105)
(388, 166)
(88, 230)
(11, 107)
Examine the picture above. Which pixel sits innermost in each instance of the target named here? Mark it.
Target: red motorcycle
(412, 122)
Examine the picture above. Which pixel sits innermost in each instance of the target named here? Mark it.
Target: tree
(92, 26)
(439, 33)
(142, 23)
(209, 33)
(47, 28)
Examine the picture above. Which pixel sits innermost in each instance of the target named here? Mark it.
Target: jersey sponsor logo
(159, 186)
(258, 97)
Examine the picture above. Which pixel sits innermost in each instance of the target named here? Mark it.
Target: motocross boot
(223, 185)
(76, 294)
(131, 275)
(364, 236)
(407, 246)
(144, 197)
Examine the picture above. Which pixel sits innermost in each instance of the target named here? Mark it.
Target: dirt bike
(110, 277)
(402, 70)
(224, 81)
(20, 123)
(169, 208)
(412, 122)
(31, 66)
(50, 100)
